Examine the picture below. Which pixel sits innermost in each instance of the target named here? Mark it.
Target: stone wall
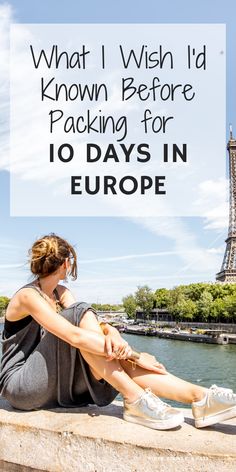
(97, 439)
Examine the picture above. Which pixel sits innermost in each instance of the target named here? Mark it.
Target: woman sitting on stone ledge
(56, 353)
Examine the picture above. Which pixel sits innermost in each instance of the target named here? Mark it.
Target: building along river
(203, 364)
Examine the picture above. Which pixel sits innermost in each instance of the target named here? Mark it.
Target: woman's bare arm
(32, 302)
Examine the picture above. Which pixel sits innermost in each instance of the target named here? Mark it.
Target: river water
(203, 364)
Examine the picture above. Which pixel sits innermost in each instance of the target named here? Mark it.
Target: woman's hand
(149, 362)
(116, 346)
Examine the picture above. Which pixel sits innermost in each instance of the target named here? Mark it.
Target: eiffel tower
(227, 272)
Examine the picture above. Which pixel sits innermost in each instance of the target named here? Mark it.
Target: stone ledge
(96, 439)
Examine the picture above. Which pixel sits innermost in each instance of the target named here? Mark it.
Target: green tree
(218, 310)
(144, 298)
(176, 299)
(162, 298)
(194, 291)
(230, 308)
(217, 291)
(204, 305)
(4, 302)
(197, 302)
(181, 307)
(106, 307)
(130, 305)
(186, 310)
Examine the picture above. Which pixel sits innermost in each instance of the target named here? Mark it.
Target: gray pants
(55, 373)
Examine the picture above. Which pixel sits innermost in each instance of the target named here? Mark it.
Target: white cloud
(133, 256)
(217, 250)
(185, 243)
(210, 188)
(215, 222)
(137, 279)
(11, 266)
(5, 245)
(215, 216)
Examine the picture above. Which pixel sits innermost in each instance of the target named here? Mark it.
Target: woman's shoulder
(15, 307)
(61, 288)
(66, 297)
(25, 292)
(23, 288)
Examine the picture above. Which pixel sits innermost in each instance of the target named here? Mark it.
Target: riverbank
(209, 336)
(212, 337)
(98, 439)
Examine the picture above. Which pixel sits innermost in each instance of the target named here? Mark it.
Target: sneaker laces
(220, 392)
(153, 402)
(223, 392)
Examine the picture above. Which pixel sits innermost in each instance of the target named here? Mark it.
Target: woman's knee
(89, 321)
(83, 315)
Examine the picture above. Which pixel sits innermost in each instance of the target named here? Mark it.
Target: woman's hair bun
(51, 247)
(48, 253)
(43, 247)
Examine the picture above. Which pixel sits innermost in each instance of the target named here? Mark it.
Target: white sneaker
(152, 412)
(219, 405)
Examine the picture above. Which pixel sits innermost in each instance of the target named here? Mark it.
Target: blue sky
(117, 254)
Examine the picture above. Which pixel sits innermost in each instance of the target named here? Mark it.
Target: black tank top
(12, 327)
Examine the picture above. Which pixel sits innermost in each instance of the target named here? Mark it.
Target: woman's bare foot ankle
(133, 396)
(199, 394)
